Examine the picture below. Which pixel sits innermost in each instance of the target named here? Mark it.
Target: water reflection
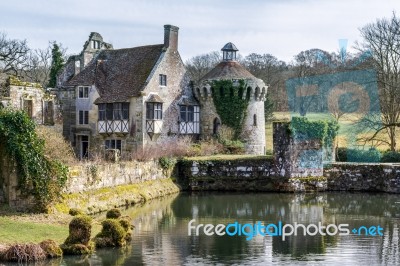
(161, 234)
(165, 239)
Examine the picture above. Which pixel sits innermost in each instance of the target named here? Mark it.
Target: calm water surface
(161, 231)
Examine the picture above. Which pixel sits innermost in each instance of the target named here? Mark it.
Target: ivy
(229, 103)
(323, 130)
(37, 175)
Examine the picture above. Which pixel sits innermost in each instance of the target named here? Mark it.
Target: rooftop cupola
(229, 52)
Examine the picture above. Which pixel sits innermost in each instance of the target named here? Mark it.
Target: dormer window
(163, 80)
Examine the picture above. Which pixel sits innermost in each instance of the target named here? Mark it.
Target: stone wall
(382, 177)
(296, 158)
(91, 176)
(93, 187)
(9, 192)
(262, 174)
(246, 174)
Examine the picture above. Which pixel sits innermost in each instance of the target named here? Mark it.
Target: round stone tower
(253, 126)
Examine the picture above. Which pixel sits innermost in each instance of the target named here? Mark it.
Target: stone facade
(147, 64)
(30, 97)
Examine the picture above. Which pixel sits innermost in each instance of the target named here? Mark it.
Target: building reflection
(161, 230)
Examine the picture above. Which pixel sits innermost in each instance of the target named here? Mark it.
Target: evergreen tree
(57, 62)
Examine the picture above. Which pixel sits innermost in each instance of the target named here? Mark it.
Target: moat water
(161, 231)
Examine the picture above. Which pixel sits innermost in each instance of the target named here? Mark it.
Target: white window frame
(163, 80)
(85, 118)
(83, 89)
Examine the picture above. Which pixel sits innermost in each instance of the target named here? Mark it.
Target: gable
(119, 74)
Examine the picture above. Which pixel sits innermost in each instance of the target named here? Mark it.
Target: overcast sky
(282, 28)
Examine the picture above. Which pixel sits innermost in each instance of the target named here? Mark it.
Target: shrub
(206, 148)
(80, 229)
(356, 155)
(51, 248)
(391, 157)
(78, 242)
(341, 155)
(170, 147)
(235, 147)
(39, 175)
(75, 212)
(24, 253)
(167, 163)
(111, 235)
(55, 146)
(113, 214)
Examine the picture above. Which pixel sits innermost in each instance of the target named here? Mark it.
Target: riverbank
(16, 227)
(103, 199)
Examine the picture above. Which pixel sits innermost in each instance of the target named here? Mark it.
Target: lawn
(35, 228)
(13, 231)
(345, 130)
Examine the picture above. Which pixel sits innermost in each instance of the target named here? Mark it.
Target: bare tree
(306, 65)
(13, 54)
(266, 67)
(199, 65)
(37, 66)
(382, 39)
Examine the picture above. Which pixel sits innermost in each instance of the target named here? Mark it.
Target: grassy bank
(103, 199)
(13, 230)
(25, 228)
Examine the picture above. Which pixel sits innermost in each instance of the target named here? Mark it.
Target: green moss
(77, 249)
(113, 214)
(78, 242)
(75, 212)
(80, 229)
(100, 199)
(51, 248)
(309, 179)
(112, 234)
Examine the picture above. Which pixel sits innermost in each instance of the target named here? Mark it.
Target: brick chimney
(171, 37)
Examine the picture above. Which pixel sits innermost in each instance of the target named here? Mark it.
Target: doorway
(84, 147)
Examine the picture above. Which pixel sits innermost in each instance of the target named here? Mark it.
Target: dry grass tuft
(24, 253)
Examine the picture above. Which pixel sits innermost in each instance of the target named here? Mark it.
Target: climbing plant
(323, 130)
(57, 62)
(229, 103)
(38, 176)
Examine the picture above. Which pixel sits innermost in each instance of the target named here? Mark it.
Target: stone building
(124, 99)
(253, 126)
(30, 97)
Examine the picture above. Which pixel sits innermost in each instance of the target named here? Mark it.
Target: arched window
(257, 93)
(248, 93)
(255, 120)
(217, 123)
(205, 92)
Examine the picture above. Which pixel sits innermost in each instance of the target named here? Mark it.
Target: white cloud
(282, 28)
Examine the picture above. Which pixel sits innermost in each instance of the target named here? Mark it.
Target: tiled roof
(228, 70)
(119, 74)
